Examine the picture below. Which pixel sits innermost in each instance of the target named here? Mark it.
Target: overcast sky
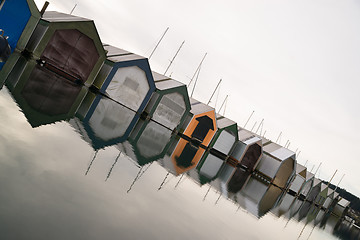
(295, 63)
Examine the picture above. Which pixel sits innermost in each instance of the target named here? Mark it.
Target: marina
(61, 75)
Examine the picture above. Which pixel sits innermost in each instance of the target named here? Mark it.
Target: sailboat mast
(249, 118)
(197, 69)
(214, 92)
(158, 42)
(172, 60)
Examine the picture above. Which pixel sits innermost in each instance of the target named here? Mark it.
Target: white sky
(294, 62)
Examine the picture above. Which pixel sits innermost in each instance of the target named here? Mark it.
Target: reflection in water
(115, 100)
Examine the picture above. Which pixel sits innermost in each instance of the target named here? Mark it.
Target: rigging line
(171, 61)
(217, 97)
(223, 103)
(88, 169)
(197, 69)
(214, 92)
(253, 126)
(113, 165)
(278, 137)
(249, 118)
(317, 169)
(158, 42)
(306, 163)
(196, 80)
(225, 106)
(262, 120)
(264, 134)
(339, 182)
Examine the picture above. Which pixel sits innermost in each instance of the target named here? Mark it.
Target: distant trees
(354, 200)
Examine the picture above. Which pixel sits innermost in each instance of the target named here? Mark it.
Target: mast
(110, 171)
(217, 200)
(306, 163)
(339, 182)
(312, 167)
(46, 4)
(177, 184)
(249, 118)
(73, 9)
(162, 184)
(138, 176)
(197, 77)
(278, 137)
(197, 69)
(332, 178)
(262, 120)
(172, 60)
(223, 104)
(317, 169)
(135, 179)
(93, 159)
(214, 92)
(158, 42)
(207, 192)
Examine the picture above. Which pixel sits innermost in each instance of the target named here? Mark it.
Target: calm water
(45, 193)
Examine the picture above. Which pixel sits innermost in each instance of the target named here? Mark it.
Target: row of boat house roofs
(57, 68)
